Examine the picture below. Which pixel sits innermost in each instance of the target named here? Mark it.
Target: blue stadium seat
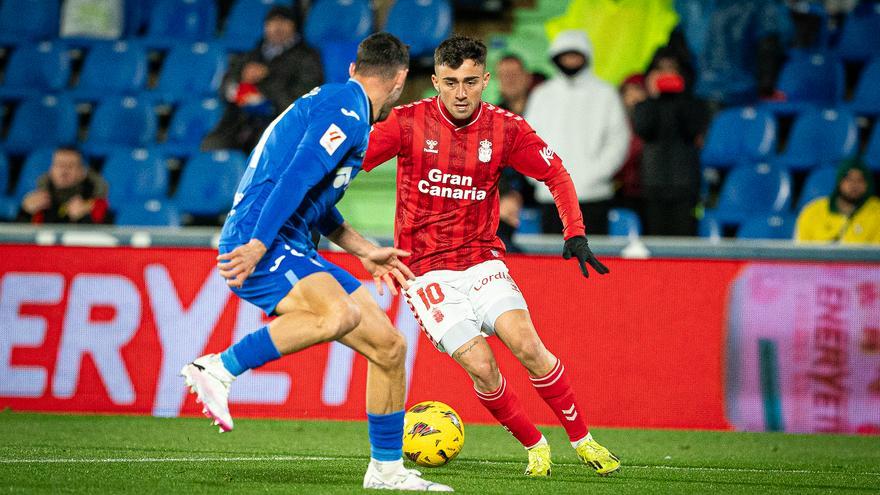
(208, 182)
(872, 151)
(8, 205)
(149, 213)
(422, 24)
(137, 174)
(810, 78)
(173, 22)
(750, 189)
(117, 68)
(46, 121)
(25, 21)
(338, 20)
(866, 98)
(776, 226)
(244, 24)
(36, 164)
(860, 35)
(189, 125)
(34, 70)
(4, 174)
(336, 56)
(820, 136)
(190, 71)
(623, 222)
(738, 134)
(122, 122)
(820, 182)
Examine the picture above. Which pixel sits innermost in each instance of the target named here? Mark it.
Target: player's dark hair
(455, 50)
(381, 54)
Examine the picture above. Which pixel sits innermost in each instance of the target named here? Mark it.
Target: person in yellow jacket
(851, 215)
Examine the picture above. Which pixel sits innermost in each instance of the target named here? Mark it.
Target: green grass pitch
(41, 453)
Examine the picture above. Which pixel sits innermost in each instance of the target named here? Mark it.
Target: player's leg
(385, 349)
(547, 374)
(447, 317)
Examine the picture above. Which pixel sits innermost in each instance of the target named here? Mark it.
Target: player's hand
(385, 266)
(578, 247)
(237, 265)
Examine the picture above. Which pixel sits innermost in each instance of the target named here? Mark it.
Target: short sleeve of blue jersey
(329, 137)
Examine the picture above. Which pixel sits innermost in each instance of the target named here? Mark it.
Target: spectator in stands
(68, 193)
(515, 83)
(737, 46)
(671, 122)
(850, 215)
(627, 182)
(263, 82)
(582, 118)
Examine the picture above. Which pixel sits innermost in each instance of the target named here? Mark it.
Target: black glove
(578, 247)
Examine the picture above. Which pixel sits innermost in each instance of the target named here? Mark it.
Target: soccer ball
(433, 434)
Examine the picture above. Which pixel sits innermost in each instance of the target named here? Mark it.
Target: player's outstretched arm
(237, 265)
(383, 263)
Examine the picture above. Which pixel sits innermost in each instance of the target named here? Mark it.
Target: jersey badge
(485, 151)
(332, 138)
(431, 146)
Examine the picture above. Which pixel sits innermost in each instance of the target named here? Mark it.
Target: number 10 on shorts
(431, 294)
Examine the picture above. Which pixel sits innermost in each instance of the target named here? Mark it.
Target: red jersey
(447, 180)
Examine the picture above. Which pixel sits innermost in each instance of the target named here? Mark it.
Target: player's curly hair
(455, 50)
(381, 54)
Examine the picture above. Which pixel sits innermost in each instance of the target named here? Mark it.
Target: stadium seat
(118, 68)
(190, 71)
(820, 136)
(244, 24)
(336, 56)
(751, 189)
(809, 78)
(137, 174)
(866, 97)
(46, 121)
(189, 125)
(36, 164)
(173, 22)
(860, 35)
(8, 204)
(149, 213)
(338, 20)
(25, 21)
(421, 24)
(820, 182)
(208, 183)
(34, 70)
(872, 151)
(776, 226)
(122, 122)
(738, 134)
(623, 222)
(4, 174)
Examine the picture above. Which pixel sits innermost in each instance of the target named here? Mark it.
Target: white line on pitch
(112, 460)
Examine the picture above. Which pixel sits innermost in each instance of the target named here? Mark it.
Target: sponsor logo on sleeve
(332, 138)
(546, 154)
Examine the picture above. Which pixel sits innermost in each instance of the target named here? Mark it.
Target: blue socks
(386, 436)
(253, 351)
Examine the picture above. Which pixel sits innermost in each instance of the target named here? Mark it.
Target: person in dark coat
(671, 122)
(263, 82)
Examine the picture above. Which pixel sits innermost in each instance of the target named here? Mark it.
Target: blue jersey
(301, 167)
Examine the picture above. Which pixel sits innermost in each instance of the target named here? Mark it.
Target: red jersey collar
(453, 122)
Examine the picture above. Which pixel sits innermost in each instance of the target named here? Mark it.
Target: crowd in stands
(674, 117)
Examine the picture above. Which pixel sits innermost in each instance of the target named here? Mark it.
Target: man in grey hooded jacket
(583, 119)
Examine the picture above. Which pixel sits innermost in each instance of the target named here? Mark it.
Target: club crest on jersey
(485, 151)
(431, 146)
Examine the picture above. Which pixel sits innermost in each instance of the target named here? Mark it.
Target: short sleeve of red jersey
(384, 142)
(531, 156)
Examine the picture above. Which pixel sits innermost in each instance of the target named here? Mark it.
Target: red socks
(555, 389)
(506, 408)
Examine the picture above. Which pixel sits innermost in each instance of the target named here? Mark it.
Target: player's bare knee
(485, 374)
(341, 319)
(392, 351)
(530, 352)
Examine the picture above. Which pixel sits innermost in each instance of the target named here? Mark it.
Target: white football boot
(209, 380)
(394, 476)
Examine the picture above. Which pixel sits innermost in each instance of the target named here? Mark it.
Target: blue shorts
(280, 269)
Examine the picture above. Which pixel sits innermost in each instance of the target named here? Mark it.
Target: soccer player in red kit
(451, 150)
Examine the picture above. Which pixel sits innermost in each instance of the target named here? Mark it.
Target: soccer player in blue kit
(298, 171)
